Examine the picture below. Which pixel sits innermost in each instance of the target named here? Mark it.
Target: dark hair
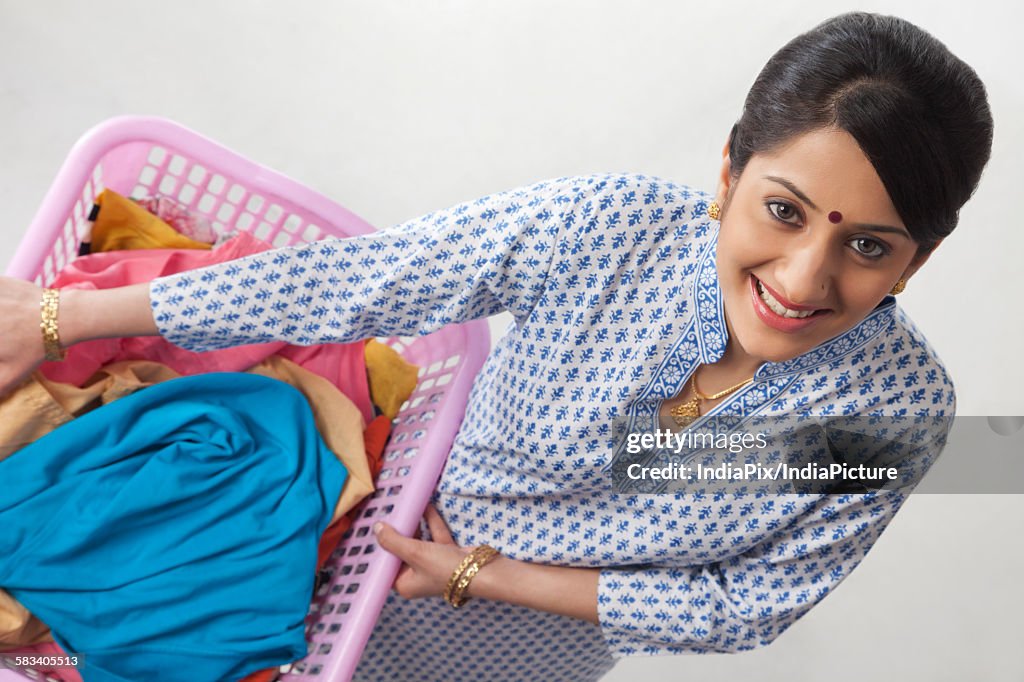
(919, 113)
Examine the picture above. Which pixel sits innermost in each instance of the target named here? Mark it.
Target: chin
(774, 352)
(777, 355)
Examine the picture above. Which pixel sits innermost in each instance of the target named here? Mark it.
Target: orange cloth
(123, 224)
(261, 676)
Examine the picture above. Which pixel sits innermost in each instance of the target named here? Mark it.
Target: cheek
(743, 249)
(861, 294)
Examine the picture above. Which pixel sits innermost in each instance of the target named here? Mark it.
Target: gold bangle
(481, 555)
(51, 337)
(478, 558)
(459, 570)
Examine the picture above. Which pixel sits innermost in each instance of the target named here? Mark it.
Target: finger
(438, 528)
(396, 543)
(402, 573)
(407, 582)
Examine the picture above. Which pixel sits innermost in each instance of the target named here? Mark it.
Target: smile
(786, 318)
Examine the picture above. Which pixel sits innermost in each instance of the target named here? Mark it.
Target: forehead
(829, 167)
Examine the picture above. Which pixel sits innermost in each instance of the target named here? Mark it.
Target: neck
(737, 361)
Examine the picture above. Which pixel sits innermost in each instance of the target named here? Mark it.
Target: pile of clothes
(164, 512)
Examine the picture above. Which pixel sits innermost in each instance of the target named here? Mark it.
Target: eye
(782, 211)
(869, 248)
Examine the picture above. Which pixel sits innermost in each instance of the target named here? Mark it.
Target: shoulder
(893, 370)
(617, 190)
(927, 382)
(587, 203)
(629, 210)
(892, 396)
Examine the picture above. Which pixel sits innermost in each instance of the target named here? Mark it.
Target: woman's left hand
(427, 565)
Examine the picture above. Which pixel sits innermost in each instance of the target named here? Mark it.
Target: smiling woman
(859, 143)
(633, 297)
(792, 277)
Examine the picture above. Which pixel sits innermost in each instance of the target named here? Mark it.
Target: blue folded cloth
(172, 534)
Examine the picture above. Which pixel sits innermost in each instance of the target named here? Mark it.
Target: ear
(724, 176)
(918, 261)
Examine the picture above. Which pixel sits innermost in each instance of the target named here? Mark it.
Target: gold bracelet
(479, 557)
(51, 337)
(466, 561)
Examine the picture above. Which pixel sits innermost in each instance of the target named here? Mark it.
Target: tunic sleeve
(745, 601)
(472, 260)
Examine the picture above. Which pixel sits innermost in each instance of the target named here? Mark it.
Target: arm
(105, 313)
(736, 604)
(427, 565)
(473, 260)
(81, 315)
(746, 601)
(564, 590)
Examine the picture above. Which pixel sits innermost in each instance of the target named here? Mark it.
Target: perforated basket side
(344, 612)
(142, 156)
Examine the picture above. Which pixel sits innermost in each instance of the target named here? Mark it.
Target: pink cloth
(192, 225)
(344, 365)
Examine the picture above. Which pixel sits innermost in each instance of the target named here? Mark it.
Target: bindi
(835, 217)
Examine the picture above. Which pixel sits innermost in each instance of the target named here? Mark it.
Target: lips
(782, 323)
(784, 301)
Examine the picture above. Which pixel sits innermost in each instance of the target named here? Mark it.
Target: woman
(858, 144)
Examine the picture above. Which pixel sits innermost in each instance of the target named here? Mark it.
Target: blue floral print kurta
(612, 283)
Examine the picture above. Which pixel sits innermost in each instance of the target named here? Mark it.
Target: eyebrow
(864, 226)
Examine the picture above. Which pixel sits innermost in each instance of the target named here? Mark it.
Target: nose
(806, 272)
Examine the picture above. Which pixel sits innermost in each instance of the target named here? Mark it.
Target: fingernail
(377, 527)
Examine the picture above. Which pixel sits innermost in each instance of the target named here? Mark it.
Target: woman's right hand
(21, 340)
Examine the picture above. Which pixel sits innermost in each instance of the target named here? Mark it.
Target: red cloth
(375, 438)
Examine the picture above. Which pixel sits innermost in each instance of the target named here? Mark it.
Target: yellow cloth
(392, 379)
(123, 224)
(39, 406)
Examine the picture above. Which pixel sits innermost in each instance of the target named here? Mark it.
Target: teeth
(777, 307)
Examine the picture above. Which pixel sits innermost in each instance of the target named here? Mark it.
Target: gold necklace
(685, 413)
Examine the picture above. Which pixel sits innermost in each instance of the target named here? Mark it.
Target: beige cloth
(39, 406)
(339, 422)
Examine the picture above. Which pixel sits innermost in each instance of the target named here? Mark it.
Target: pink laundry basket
(142, 156)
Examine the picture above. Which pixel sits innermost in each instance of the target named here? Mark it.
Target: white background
(394, 109)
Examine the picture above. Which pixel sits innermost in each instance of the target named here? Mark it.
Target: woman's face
(809, 244)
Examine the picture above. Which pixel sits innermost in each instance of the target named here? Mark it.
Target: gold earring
(714, 210)
(901, 284)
